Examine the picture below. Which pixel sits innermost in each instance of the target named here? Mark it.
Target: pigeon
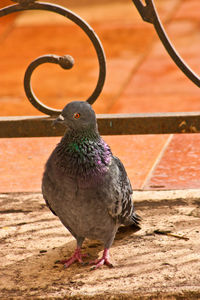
(85, 185)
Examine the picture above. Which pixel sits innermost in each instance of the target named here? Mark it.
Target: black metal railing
(109, 124)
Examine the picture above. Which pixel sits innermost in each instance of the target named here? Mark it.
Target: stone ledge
(146, 264)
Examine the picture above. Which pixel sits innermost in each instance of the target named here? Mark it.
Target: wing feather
(122, 206)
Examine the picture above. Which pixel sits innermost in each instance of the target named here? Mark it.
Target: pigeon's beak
(59, 119)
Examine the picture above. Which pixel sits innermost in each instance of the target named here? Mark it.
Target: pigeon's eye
(76, 116)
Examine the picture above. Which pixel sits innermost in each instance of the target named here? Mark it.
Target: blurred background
(141, 78)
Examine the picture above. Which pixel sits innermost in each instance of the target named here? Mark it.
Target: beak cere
(59, 119)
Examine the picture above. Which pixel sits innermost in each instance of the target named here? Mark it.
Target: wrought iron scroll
(66, 61)
(150, 15)
(108, 124)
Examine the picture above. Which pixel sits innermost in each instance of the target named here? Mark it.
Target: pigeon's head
(78, 115)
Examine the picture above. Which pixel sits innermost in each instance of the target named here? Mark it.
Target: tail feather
(136, 219)
(131, 228)
(136, 222)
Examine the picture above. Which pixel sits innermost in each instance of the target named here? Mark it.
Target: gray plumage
(84, 184)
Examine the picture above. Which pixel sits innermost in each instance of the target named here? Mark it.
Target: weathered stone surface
(146, 264)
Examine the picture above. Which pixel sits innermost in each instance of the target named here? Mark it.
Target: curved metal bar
(149, 14)
(32, 5)
(66, 62)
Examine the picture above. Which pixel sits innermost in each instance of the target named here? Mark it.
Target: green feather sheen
(74, 146)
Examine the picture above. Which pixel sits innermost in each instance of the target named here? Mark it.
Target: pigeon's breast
(86, 215)
(79, 205)
(85, 161)
(76, 180)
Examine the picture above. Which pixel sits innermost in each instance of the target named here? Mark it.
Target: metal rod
(32, 5)
(109, 124)
(162, 123)
(149, 14)
(66, 62)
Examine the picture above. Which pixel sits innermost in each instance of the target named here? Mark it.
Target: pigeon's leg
(77, 256)
(104, 260)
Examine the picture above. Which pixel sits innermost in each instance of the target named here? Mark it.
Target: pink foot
(102, 261)
(77, 256)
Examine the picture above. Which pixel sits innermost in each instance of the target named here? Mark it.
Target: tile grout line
(158, 159)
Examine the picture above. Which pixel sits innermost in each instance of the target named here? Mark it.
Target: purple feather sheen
(84, 156)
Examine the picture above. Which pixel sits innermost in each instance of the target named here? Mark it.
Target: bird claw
(102, 261)
(77, 256)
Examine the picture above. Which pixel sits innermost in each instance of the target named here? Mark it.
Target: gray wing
(122, 206)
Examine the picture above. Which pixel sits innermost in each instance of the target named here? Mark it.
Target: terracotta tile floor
(140, 78)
